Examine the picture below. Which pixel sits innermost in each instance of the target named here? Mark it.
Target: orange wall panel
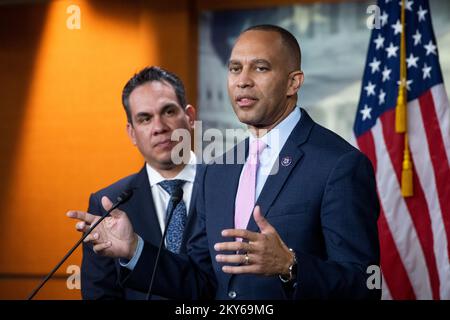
(66, 126)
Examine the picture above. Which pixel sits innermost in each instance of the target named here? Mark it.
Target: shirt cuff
(131, 264)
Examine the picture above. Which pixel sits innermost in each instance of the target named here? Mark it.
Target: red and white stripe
(414, 231)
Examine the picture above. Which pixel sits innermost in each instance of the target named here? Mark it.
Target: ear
(295, 82)
(131, 133)
(190, 113)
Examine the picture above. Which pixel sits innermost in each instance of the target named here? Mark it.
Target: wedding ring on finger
(246, 259)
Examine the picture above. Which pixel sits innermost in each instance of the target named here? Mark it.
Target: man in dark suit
(155, 104)
(297, 220)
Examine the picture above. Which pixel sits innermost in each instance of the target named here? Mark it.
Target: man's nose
(159, 125)
(244, 79)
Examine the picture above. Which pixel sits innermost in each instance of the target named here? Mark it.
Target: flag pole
(401, 118)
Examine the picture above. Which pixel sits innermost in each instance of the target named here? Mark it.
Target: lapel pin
(286, 161)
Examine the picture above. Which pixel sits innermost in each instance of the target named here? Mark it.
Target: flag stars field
(391, 50)
(431, 48)
(379, 42)
(421, 14)
(412, 61)
(366, 112)
(375, 65)
(370, 89)
(397, 27)
(417, 38)
(426, 71)
(386, 74)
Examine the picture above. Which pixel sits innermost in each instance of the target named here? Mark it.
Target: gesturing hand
(113, 237)
(264, 253)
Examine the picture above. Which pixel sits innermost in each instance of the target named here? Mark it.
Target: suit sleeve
(349, 214)
(99, 275)
(179, 276)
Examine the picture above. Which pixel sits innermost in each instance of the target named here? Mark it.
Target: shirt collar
(187, 174)
(276, 138)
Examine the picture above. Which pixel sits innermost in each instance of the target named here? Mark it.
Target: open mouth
(245, 101)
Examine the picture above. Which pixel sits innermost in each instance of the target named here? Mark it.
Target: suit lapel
(144, 213)
(190, 223)
(226, 198)
(288, 159)
(230, 178)
(226, 204)
(143, 208)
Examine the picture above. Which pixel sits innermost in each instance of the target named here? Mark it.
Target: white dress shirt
(275, 140)
(161, 197)
(161, 200)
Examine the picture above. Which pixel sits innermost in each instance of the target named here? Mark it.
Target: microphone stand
(123, 197)
(174, 199)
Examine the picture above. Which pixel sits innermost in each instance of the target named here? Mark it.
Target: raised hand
(264, 253)
(113, 237)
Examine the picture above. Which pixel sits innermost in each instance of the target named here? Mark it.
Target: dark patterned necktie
(175, 229)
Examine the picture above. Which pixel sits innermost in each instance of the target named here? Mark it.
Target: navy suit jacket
(99, 275)
(323, 203)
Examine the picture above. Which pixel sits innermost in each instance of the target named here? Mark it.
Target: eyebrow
(264, 61)
(169, 105)
(230, 62)
(163, 109)
(254, 61)
(142, 114)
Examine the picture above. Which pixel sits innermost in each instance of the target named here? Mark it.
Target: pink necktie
(245, 197)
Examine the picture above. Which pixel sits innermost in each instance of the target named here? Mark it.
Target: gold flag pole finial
(401, 117)
(407, 172)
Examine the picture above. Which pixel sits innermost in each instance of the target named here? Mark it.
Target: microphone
(175, 199)
(122, 198)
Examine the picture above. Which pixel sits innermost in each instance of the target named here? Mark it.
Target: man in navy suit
(155, 104)
(297, 220)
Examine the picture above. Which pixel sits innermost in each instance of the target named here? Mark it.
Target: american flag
(414, 231)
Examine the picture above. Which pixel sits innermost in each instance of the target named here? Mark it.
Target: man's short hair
(288, 39)
(150, 74)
